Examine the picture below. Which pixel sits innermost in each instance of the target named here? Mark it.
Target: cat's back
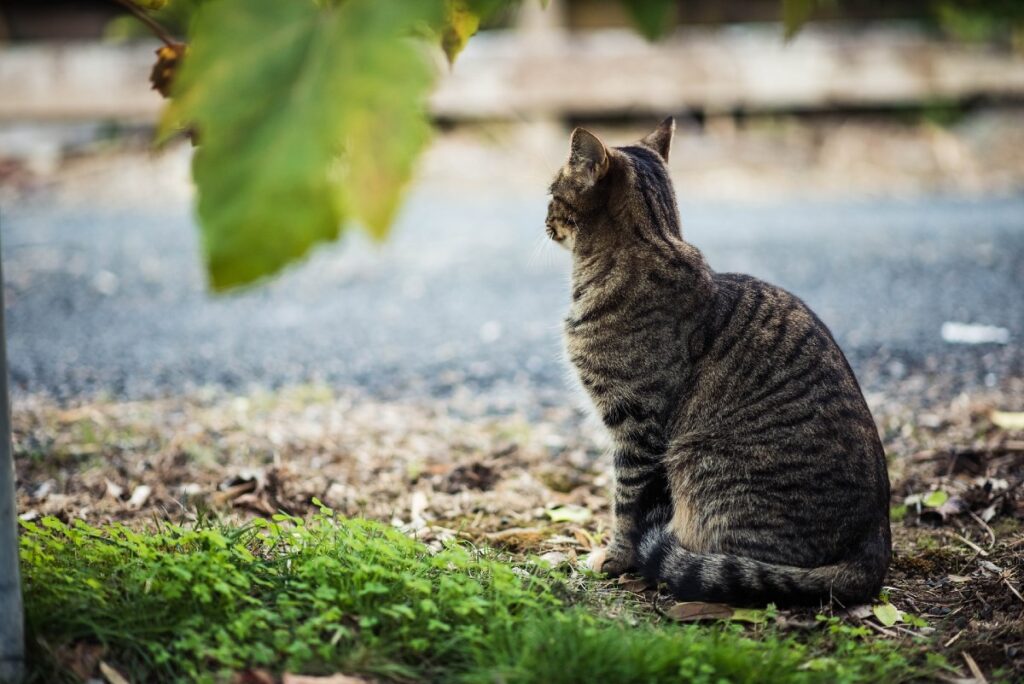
(767, 365)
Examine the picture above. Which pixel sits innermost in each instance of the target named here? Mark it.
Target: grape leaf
(306, 114)
(462, 19)
(460, 23)
(652, 17)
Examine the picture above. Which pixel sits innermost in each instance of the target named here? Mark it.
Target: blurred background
(874, 165)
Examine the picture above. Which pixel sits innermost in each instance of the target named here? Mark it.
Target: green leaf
(306, 114)
(652, 17)
(935, 499)
(461, 22)
(574, 514)
(886, 613)
(795, 14)
(754, 616)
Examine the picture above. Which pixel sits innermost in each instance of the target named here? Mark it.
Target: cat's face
(580, 186)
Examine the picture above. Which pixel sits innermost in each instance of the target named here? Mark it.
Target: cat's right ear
(587, 154)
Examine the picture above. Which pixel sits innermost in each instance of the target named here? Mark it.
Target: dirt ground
(538, 487)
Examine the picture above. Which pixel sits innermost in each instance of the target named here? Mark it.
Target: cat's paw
(617, 561)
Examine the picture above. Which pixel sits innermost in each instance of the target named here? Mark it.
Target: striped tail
(739, 580)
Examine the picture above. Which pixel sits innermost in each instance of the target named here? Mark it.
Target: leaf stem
(151, 23)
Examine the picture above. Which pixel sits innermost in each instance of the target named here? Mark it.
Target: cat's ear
(660, 139)
(587, 153)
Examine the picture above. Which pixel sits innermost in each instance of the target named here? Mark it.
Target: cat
(748, 468)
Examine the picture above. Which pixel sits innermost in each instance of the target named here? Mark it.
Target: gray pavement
(467, 294)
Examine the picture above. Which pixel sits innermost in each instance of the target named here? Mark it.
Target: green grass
(331, 595)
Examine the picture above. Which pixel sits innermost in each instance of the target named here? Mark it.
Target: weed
(327, 594)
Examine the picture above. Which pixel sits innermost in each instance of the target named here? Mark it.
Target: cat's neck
(634, 264)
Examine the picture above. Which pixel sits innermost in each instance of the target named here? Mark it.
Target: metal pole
(12, 626)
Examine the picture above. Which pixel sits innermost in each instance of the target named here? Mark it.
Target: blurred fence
(554, 73)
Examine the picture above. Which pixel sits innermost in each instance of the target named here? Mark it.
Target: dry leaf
(1008, 420)
(554, 558)
(114, 490)
(583, 538)
(253, 676)
(139, 496)
(575, 514)
(517, 537)
(858, 612)
(698, 611)
(637, 585)
(329, 679)
(81, 659)
(111, 675)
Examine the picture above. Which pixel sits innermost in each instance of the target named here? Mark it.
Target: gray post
(12, 627)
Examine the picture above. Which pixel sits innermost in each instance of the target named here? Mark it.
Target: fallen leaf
(517, 537)
(139, 496)
(329, 679)
(636, 585)
(253, 676)
(949, 508)
(114, 490)
(989, 513)
(698, 611)
(583, 538)
(574, 514)
(554, 558)
(255, 502)
(858, 612)
(990, 566)
(81, 659)
(234, 491)
(935, 499)
(111, 675)
(887, 614)
(1008, 420)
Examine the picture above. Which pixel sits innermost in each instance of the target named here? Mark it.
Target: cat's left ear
(587, 154)
(660, 139)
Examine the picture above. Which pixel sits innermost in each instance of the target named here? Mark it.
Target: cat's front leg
(641, 499)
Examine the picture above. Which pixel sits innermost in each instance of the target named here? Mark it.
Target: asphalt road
(112, 301)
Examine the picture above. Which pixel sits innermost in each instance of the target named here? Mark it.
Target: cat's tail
(739, 580)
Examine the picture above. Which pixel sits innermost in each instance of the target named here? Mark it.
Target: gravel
(108, 298)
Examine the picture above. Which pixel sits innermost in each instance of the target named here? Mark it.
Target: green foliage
(982, 20)
(180, 603)
(796, 13)
(326, 595)
(652, 17)
(310, 114)
(276, 92)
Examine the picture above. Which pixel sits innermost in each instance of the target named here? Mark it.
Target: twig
(879, 629)
(953, 640)
(1006, 581)
(968, 542)
(151, 23)
(979, 677)
(984, 525)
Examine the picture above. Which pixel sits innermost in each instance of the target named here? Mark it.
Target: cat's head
(595, 175)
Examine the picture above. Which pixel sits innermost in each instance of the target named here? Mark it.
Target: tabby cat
(747, 465)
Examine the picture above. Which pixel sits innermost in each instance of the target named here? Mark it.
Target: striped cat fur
(748, 468)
